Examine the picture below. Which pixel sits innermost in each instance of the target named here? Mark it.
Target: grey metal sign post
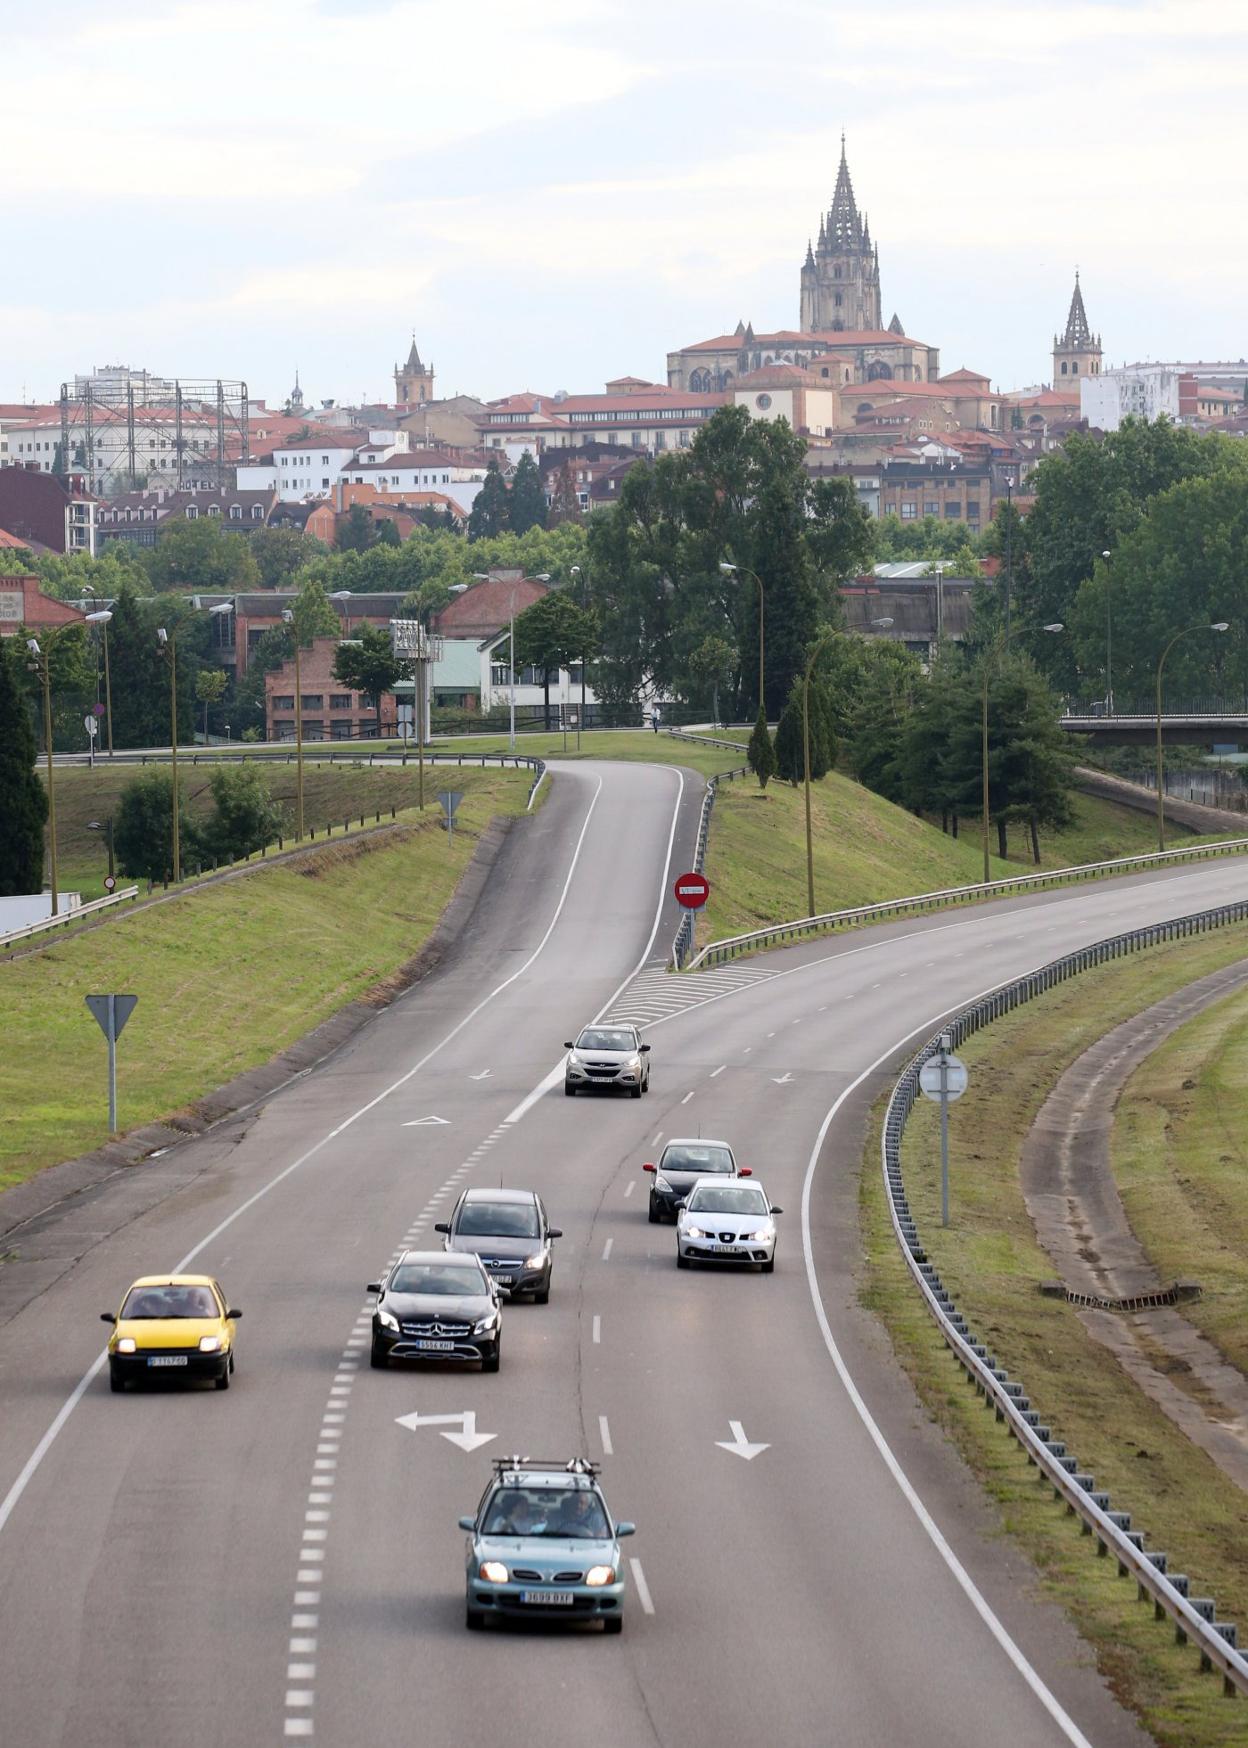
(943, 1078)
(450, 799)
(111, 1013)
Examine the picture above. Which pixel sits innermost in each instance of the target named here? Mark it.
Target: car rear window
(684, 1158)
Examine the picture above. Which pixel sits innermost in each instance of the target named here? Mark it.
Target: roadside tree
(23, 798)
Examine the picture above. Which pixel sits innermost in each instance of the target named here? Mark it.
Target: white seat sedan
(726, 1222)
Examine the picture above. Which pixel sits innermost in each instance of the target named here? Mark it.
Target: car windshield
(148, 1302)
(436, 1277)
(730, 1199)
(605, 1038)
(693, 1158)
(498, 1219)
(532, 1511)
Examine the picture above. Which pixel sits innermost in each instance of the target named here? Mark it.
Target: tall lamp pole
(168, 640)
(583, 590)
(39, 662)
(729, 570)
(289, 618)
(1218, 625)
(1109, 637)
(102, 618)
(344, 595)
(811, 659)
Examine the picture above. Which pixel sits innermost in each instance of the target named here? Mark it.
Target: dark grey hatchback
(432, 1306)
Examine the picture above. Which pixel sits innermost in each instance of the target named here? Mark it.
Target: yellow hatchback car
(172, 1326)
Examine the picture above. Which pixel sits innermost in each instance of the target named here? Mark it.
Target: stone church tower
(1078, 352)
(413, 384)
(841, 275)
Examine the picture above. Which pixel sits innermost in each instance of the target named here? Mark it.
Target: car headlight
(694, 1232)
(486, 1324)
(574, 1060)
(765, 1233)
(661, 1183)
(209, 1343)
(493, 1571)
(387, 1321)
(634, 1062)
(600, 1575)
(536, 1262)
(126, 1344)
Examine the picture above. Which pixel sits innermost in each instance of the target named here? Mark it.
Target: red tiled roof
(486, 607)
(832, 340)
(965, 375)
(865, 391)
(12, 542)
(409, 458)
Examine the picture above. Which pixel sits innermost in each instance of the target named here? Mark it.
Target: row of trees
(240, 818)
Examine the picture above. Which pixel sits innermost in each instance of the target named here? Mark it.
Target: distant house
(23, 603)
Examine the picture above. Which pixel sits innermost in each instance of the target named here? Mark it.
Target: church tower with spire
(841, 273)
(1078, 352)
(413, 381)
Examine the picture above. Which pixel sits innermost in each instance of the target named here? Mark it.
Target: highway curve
(282, 1562)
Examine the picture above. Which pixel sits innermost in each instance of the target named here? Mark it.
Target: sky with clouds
(555, 193)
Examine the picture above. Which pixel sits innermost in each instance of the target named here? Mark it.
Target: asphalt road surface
(283, 1563)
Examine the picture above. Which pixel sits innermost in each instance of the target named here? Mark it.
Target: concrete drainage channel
(1194, 1617)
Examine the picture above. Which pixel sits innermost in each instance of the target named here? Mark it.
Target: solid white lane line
(686, 1098)
(604, 1432)
(630, 1186)
(597, 1329)
(642, 1588)
(962, 1577)
(716, 1071)
(557, 1072)
(606, 1250)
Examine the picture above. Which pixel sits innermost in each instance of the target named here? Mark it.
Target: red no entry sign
(692, 890)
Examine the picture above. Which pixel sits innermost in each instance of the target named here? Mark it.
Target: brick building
(23, 603)
(330, 710)
(59, 514)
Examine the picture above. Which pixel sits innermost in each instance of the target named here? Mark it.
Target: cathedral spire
(844, 228)
(413, 358)
(1078, 333)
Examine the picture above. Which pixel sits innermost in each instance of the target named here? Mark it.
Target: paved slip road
(282, 1562)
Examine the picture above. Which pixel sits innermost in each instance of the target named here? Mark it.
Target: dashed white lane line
(715, 1071)
(642, 1588)
(630, 1186)
(596, 1334)
(606, 1250)
(604, 1432)
(771, 1034)
(657, 1139)
(747, 1049)
(686, 1098)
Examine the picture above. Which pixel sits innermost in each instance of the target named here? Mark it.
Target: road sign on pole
(111, 1013)
(692, 890)
(943, 1078)
(450, 800)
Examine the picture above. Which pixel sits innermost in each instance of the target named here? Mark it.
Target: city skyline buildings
(594, 197)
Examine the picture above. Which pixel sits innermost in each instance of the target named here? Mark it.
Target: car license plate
(167, 1359)
(503, 1280)
(435, 1346)
(561, 1598)
(730, 1249)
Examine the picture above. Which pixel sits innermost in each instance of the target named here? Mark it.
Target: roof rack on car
(573, 1466)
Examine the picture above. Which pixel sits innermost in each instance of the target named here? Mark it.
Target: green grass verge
(992, 1264)
(1179, 1155)
(632, 745)
(226, 975)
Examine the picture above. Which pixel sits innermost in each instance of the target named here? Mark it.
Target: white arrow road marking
(739, 1445)
(427, 1122)
(484, 1075)
(782, 1079)
(468, 1438)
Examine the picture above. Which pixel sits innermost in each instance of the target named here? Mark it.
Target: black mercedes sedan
(432, 1306)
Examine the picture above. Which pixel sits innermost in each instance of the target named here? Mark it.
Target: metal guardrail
(1194, 1617)
(66, 917)
(683, 940)
(706, 740)
(779, 934)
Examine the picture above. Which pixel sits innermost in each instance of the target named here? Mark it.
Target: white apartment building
(418, 470)
(312, 468)
(646, 416)
(1140, 391)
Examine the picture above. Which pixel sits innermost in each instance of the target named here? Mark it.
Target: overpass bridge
(1217, 727)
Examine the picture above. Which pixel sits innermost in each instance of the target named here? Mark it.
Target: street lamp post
(811, 659)
(344, 595)
(168, 640)
(102, 618)
(1218, 625)
(730, 569)
(576, 571)
(39, 661)
(289, 617)
(940, 604)
(1109, 638)
(990, 656)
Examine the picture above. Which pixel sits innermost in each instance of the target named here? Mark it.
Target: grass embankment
(991, 1262)
(226, 976)
(866, 850)
(1179, 1155)
(331, 793)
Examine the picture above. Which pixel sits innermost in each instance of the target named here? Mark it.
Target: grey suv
(509, 1232)
(607, 1056)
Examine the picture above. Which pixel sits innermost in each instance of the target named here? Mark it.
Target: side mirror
(647, 1168)
(233, 1313)
(107, 1317)
(554, 1232)
(776, 1210)
(568, 1044)
(679, 1203)
(625, 1529)
(745, 1172)
(468, 1523)
(373, 1287)
(644, 1048)
(442, 1226)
